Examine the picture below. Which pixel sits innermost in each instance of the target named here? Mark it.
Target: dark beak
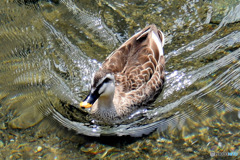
(90, 100)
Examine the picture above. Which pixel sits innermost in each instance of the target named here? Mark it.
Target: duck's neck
(105, 109)
(106, 102)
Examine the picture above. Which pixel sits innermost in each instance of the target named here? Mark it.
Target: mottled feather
(138, 69)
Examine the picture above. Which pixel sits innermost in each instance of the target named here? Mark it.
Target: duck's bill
(85, 104)
(90, 100)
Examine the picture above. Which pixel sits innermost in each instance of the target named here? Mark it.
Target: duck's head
(103, 86)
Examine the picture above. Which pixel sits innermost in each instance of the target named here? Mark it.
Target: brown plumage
(131, 77)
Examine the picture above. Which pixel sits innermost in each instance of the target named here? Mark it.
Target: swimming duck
(131, 77)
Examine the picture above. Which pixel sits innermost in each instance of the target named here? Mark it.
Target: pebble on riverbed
(1, 144)
(39, 149)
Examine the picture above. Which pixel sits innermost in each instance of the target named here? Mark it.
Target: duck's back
(138, 66)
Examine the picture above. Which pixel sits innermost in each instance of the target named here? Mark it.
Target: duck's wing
(118, 59)
(136, 61)
(142, 76)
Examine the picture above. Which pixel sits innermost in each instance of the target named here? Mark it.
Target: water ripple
(232, 16)
(49, 54)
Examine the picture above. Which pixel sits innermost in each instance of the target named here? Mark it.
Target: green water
(50, 49)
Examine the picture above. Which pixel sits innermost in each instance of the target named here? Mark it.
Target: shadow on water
(108, 140)
(114, 141)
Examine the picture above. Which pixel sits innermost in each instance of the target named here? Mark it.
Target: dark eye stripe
(106, 80)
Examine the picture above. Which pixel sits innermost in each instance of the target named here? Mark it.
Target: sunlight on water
(50, 50)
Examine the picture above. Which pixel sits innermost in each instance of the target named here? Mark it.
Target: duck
(130, 78)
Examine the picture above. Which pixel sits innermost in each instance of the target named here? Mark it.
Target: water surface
(50, 50)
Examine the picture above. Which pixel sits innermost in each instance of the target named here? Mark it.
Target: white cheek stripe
(100, 91)
(157, 41)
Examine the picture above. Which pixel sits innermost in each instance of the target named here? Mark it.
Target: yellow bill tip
(85, 105)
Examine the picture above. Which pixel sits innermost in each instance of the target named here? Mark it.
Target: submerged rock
(221, 8)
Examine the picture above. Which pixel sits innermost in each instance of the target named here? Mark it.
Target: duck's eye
(106, 80)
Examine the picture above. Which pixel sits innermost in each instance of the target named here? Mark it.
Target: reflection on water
(49, 51)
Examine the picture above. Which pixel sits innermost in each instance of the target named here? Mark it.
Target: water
(49, 51)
